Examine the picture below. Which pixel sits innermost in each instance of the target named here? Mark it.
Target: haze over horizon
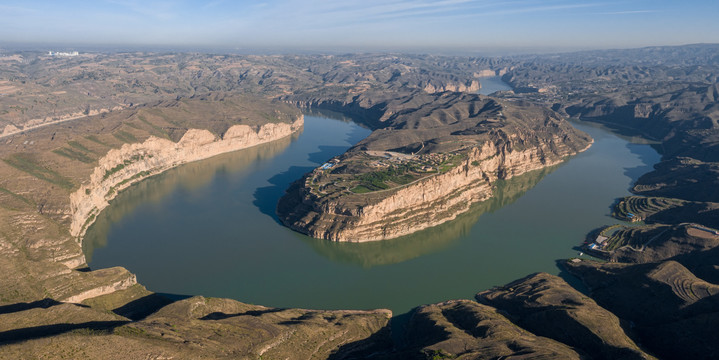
(367, 25)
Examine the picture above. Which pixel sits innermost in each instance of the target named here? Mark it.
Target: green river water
(209, 228)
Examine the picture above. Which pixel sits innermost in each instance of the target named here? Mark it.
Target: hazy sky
(365, 24)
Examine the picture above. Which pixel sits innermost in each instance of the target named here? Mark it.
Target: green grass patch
(94, 139)
(360, 189)
(74, 155)
(125, 136)
(402, 179)
(113, 170)
(119, 167)
(156, 130)
(28, 164)
(17, 196)
(133, 177)
(89, 220)
(452, 162)
(80, 147)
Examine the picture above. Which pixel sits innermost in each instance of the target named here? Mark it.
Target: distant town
(60, 53)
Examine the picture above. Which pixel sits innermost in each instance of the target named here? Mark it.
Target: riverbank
(525, 235)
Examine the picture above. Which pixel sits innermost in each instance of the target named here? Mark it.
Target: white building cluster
(58, 53)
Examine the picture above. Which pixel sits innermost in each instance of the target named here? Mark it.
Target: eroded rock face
(194, 328)
(547, 306)
(131, 163)
(672, 311)
(469, 86)
(429, 201)
(468, 330)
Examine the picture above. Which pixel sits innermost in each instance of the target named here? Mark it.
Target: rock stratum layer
(430, 166)
(131, 163)
(57, 178)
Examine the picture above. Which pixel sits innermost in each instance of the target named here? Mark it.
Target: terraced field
(638, 208)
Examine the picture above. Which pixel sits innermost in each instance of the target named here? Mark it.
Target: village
(389, 170)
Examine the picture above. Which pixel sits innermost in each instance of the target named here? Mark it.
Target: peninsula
(426, 164)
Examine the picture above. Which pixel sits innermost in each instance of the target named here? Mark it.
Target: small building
(601, 239)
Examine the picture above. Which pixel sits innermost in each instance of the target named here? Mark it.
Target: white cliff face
(424, 203)
(120, 168)
(471, 86)
(122, 283)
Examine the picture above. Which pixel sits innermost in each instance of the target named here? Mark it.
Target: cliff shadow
(185, 177)
(37, 332)
(379, 345)
(254, 313)
(44, 304)
(141, 308)
(647, 155)
(266, 198)
(571, 279)
(327, 152)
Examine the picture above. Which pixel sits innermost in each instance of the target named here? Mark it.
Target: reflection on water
(187, 177)
(430, 240)
(632, 139)
(209, 228)
(492, 84)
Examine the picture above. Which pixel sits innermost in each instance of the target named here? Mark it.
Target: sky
(362, 25)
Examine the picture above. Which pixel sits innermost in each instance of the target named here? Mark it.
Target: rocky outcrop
(424, 203)
(547, 306)
(133, 162)
(469, 86)
(120, 284)
(464, 329)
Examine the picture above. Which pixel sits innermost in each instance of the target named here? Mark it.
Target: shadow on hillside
(266, 198)
(44, 304)
(378, 346)
(37, 332)
(141, 308)
(221, 315)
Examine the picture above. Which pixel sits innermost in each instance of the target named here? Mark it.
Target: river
(492, 84)
(209, 228)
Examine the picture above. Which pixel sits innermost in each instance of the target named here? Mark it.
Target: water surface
(209, 228)
(492, 84)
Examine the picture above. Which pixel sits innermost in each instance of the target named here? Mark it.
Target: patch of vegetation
(451, 162)
(79, 146)
(94, 139)
(125, 136)
(74, 155)
(141, 174)
(377, 180)
(157, 131)
(438, 354)
(641, 207)
(360, 189)
(89, 220)
(113, 170)
(17, 196)
(26, 163)
(119, 167)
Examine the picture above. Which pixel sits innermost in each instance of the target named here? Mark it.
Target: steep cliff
(131, 163)
(57, 178)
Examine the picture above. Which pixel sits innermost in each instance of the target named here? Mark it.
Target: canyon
(56, 178)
